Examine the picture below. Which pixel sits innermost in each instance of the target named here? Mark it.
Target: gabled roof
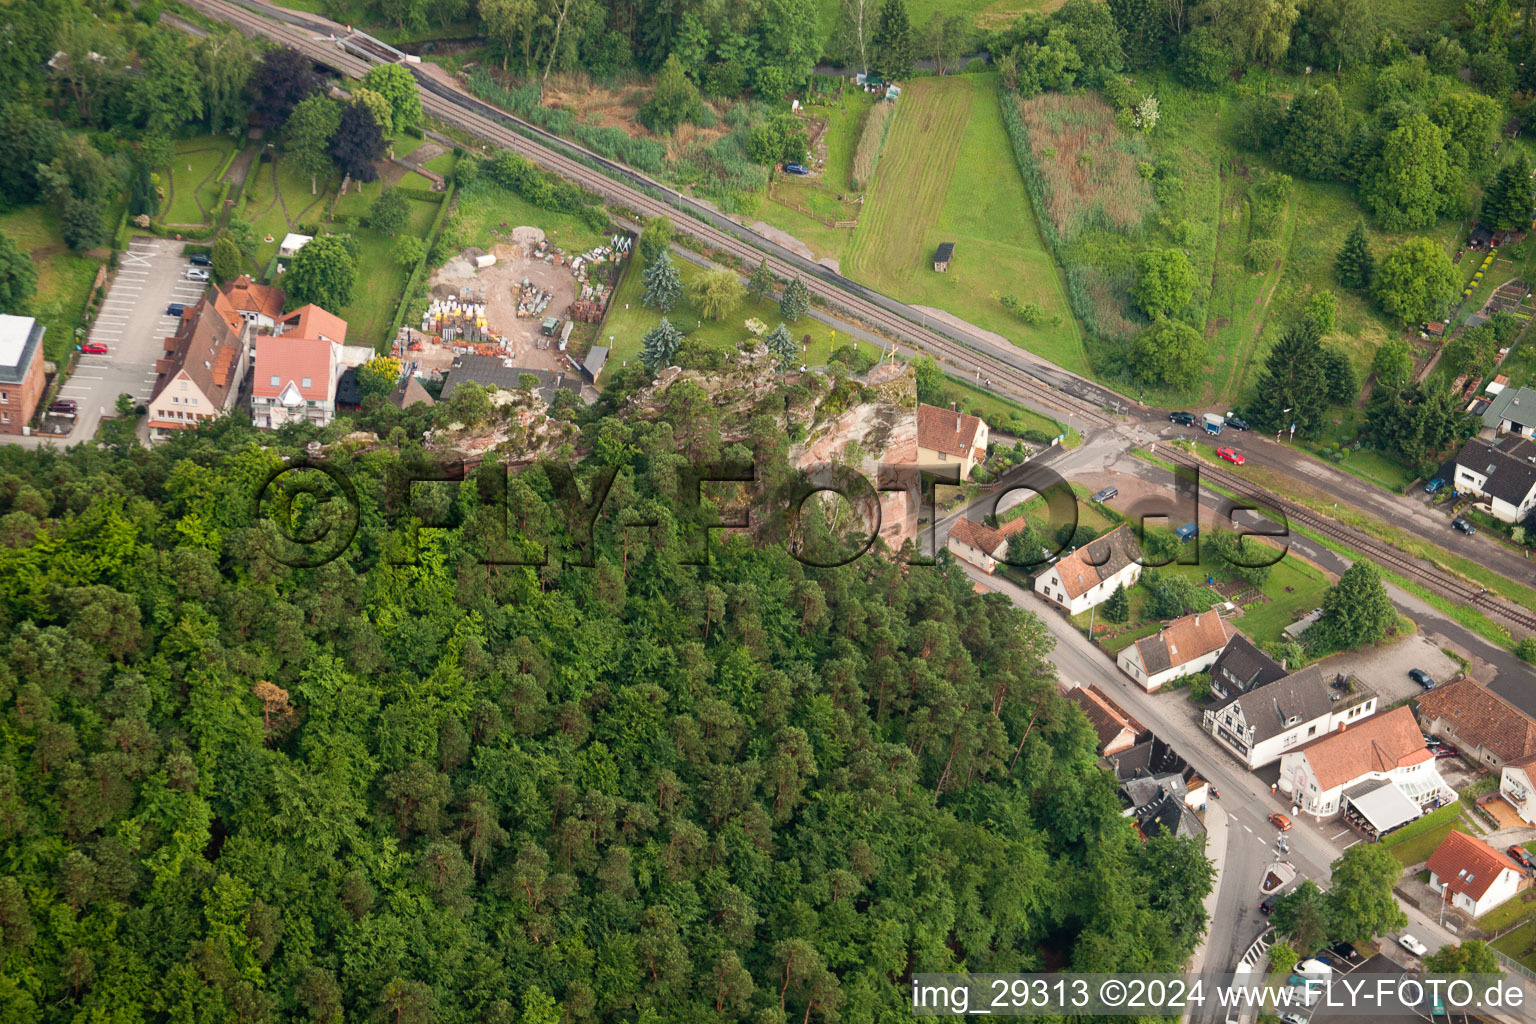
(945, 251)
(291, 361)
(1378, 744)
(1183, 640)
(1108, 720)
(494, 371)
(986, 538)
(1269, 709)
(1481, 718)
(207, 349)
(1515, 404)
(1469, 865)
(1098, 560)
(242, 295)
(409, 393)
(1506, 465)
(945, 430)
(313, 322)
(1248, 666)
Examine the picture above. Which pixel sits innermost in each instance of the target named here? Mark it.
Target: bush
(1261, 254)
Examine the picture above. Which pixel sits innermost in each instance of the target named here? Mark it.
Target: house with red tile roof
(1090, 575)
(1380, 768)
(245, 301)
(1475, 876)
(1183, 647)
(1517, 785)
(1116, 729)
(1472, 718)
(948, 439)
(199, 376)
(298, 368)
(982, 545)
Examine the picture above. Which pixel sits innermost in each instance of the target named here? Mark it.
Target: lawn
(1520, 945)
(829, 195)
(190, 188)
(1001, 414)
(629, 319)
(482, 209)
(948, 175)
(63, 278)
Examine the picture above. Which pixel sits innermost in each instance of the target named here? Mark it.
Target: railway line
(1005, 371)
(1423, 573)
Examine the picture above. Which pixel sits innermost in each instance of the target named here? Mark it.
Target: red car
(94, 348)
(1444, 752)
(1232, 455)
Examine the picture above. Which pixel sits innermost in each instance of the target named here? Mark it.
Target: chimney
(1197, 621)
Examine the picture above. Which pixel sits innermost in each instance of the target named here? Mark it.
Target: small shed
(942, 256)
(597, 358)
(292, 243)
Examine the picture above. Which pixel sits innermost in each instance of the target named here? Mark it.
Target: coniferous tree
(796, 301)
(1118, 607)
(1354, 265)
(663, 285)
(760, 285)
(1508, 202)
(1293, 387)
(893, 48)
(659, 345)
(782, 344)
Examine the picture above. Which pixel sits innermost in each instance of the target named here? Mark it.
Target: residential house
(1090, 575)
(1258, 726)
(1502, 473)
(1512, 411)
(21, 371)
(947, 438)
(1116, 729)
(1378, 774)
(199, 376)
(981, 545)
(1241, 667)
(1158, 789)
(1183, 647)
(1515, 786)
(409, 393)
(298, 370)
(1484, 726)
(1475, 877)
(243, 300)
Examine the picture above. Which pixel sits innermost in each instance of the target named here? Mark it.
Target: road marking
(1348, 845)
(1341, 835)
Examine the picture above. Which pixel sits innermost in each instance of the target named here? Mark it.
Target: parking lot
(133, 324)
(1385, 668)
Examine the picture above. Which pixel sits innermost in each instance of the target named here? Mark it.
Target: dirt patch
(499, 287)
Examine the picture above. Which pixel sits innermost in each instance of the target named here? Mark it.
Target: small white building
(1476, 877)
(982, 545)
(1502, 473)
(1261, 724)
(293, 242)
(1090, 575)
(1328, 776)
(1516, 788)
(1181, 648)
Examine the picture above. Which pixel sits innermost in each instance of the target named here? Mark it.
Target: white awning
(1382, 804)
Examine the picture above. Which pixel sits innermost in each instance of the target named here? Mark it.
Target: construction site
(517, 300)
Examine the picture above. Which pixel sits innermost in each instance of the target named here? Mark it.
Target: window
(307, 382)
(174, 399)
(5, 417)
(183, 385)
(1312, 730)
(5, 398)
(276, 380)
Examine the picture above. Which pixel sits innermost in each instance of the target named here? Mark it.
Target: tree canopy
(324, 272)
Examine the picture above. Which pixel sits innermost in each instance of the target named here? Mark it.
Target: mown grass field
(63, 278)
(190, 178)
(948, 175)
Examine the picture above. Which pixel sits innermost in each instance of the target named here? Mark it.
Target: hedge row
(1431, 821)
(416, 192)
(414, 281)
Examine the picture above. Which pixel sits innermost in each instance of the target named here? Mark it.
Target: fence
(840, 224)
(1515, 967)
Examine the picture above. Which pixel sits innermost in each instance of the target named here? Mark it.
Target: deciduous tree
(324, 272)
(1170, 353)
(716, 293)
(1356, 611)
(1361, 903)
(18, 278)
(281, 80)
(358, 142)
(308, 133)
(1416, 281)
(1165, 282)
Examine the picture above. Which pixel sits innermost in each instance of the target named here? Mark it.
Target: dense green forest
(409, 786)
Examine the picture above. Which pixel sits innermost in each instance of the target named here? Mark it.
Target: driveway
(133, 325)
(1384, 668)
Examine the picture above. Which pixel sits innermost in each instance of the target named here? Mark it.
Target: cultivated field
(948, 175)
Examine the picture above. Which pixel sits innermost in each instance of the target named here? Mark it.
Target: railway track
(315, 38)
(1432, 578)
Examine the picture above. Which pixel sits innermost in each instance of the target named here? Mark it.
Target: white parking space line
(1341, 835)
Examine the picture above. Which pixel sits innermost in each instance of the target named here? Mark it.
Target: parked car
(797, 169)
(1232, 455)
(201, 260)
(1441, 753)
(1421, 677)
(1292, 1018)
(1186, 419)
(94, 348)
(196, 274)
(1345, 950)
(63, 407)
(175, 309)
(1236, 422)
(1518, 852)
(1434, 485)
(1412, 944)
(1105, 494)
(1267, 906)
(1280, 821)
(1462, 526)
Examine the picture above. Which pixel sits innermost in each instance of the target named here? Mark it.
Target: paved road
(133, 325)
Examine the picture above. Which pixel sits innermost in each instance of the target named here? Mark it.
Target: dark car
(1433, 487)
(63, 407)
(1462, 526)
(797, 169)
(1346, 951)
(1236, 422)
(175, 309)
(1443, 752)
(1186, 419)
(1421, 677)
(1105, 494)
(1268, 906)
(201, 260)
